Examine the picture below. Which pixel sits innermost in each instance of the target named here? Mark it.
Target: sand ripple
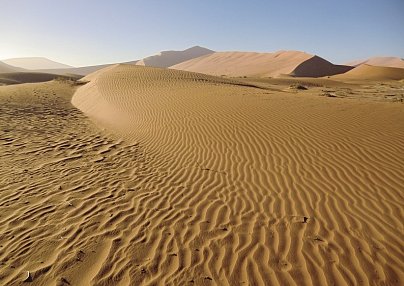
(212, 183)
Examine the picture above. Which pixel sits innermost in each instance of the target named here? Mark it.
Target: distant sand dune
(393, 62)
(318, 67)
(368, 72)
(83, 71)
(5, 68)
(168, 58)
(35, 63)
(262, 64)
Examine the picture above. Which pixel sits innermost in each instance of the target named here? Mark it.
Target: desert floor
(146, 176)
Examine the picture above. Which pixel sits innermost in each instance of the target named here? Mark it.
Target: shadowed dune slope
(368, 72)
(247, 185)
(318, 67)
(393, 62)
(169, 58)
(260, 64)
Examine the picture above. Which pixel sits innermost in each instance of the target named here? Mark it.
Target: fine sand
(165, 177)
(252, 64)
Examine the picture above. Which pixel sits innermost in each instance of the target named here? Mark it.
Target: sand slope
(166, 59)
(35, 63)
(242, 185)
(368, 72)
(261, 64)
(393, 62)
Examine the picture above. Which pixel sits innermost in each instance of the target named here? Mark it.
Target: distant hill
(393, 62)
(292, 63)
(8, 68)
(166, 59)
(35, 63)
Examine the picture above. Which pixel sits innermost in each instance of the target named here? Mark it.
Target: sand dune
(29, 77)
(368, 72)
(234, 64)
(237, 185)
(191, 179)
(166, 59)
(5, 68)
(35, 63)
(393, 62)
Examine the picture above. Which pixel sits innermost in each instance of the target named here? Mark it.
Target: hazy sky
(89, 32)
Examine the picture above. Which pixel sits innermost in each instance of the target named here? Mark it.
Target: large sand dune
(190, 179)
(293, 63)
(240, 185)
(368, 72)
(166, 59)
(393, 62)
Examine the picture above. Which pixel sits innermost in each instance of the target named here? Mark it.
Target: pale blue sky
(96, 31)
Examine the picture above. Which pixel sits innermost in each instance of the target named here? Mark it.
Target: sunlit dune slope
(293, 63)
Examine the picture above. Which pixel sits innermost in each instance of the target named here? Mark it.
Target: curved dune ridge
(244, 185)
(261, 64)
(368, 72)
